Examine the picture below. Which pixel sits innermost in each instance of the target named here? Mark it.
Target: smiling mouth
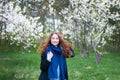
(55, 42)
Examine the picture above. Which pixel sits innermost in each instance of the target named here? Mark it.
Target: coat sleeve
(73, 54)
(44, 63)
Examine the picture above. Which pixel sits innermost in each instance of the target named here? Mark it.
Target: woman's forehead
(55, 35)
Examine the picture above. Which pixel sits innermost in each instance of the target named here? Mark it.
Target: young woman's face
(55, 39)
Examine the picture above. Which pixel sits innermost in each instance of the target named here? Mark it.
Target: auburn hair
(65, 45)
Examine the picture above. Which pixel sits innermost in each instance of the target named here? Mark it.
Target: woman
(54, 52)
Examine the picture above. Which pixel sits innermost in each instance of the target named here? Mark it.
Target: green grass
(18, 66)
(81, 68)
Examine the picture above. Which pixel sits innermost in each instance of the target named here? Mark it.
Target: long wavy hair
(65, 45)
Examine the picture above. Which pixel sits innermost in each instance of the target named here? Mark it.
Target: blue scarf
(58, 59)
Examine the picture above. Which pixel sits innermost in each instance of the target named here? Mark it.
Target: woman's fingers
(49, 56)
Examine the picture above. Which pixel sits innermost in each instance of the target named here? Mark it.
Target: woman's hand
(49, 56)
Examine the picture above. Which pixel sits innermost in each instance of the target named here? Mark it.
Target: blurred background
(92, 26)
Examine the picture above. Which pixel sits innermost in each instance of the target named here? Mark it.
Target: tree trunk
(98, 54)
(85, 48)
(0, 34)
